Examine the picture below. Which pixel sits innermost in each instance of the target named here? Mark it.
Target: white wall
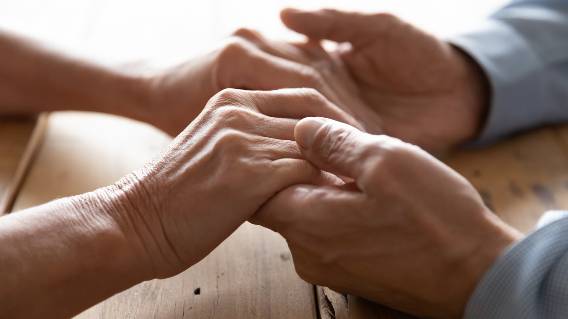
(169, 30)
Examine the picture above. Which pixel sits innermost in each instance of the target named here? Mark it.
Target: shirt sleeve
(523, 49)
(529, 281)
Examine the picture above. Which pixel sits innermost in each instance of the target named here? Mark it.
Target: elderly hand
(176, 96)
(160, 220)
(217, 173)
(408, 231)
(392, 78)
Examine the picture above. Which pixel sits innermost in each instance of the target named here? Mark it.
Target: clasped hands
(333, 167)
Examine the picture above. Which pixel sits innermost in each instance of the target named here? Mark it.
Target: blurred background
(168, 31)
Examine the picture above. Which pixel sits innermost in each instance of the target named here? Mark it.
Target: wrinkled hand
(392, 78)
(408, 232)
(216, 174)
(177, 96)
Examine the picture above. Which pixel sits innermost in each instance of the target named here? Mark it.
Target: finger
(234, 109)
(340, 26)
(303, 204)
(242, 65)
(308, 53)
(336, 147)
(286, 172)
(276, 128)
(276, 48)
(314, 50)
(271, 127)
(297, 104)
(282, 208)
(281, 151)
(275, 149)
(272, 113)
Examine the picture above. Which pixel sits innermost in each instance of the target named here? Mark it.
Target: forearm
(34, 79)
(65, 256)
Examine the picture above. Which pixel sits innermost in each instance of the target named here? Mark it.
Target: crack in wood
(327, 311)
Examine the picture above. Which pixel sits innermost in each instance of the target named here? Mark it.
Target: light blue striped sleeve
(523, 49)
(529, 281)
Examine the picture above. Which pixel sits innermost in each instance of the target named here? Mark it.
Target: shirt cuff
(550, 217)
(530, 280)
(512, 69)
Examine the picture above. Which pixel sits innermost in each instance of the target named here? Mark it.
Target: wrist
(134, 205)
(493, 238)
(74, 253)
(115, 241)
(130, 97)
(175, 97)
(473, 94)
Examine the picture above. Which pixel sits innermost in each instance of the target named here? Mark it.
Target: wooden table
(251, 274)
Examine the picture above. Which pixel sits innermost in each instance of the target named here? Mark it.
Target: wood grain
(522, 178)
(334, 305)
(250, 275)
(19, 140)
(519, 179)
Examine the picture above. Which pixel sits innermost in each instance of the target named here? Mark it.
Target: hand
(33, 80)
(408, 232)
(393, 79)
(160, 220)
(177, 95)
(217, 173)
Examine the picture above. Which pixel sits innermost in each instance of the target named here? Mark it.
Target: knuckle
(229, 141)
(246, 33)
(234, 50)
(232, 116)
(386, 17)
(236, 47)
(312, 96)
(225, 97)
(229, 94)
(244, 166)
(329, 12)
(311, 77)
(386, 21)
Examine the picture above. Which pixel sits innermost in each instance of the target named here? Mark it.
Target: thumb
(334, 146)
(339, 26)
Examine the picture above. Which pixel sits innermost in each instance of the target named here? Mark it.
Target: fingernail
(306, 130)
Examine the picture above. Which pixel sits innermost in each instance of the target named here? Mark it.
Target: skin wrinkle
(185, 203)
(399, 103)
(407, 223)
(157, 209)
(108, 204)
(225, 141)
(135, 208)
(133, 217)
